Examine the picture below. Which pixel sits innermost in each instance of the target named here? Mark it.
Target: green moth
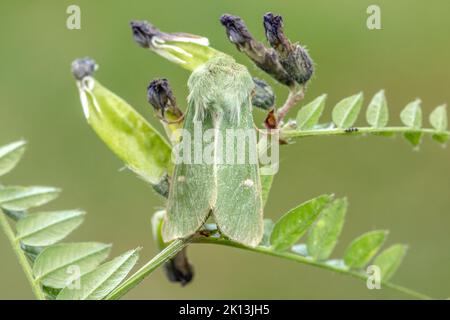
(217, 175)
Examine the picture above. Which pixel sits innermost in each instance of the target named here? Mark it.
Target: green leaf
(377, 112)
(266, 185)
(346, 111)
(413, 137)
(441, 137)
(23, 198)
(389, 260)
(324, 235)
(292, 225)
(10, 155)
(195, 56)
(411, 115)
(127, 133)
(187, 50)
(364, 248)
(268, 228)
(47, 228)
(309, 115)
(55, 265)
(98, 283)
(51, 293)
(438, 118)
(387, 134)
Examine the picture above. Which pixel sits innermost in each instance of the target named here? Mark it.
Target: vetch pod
(185, 49)
(121, 127)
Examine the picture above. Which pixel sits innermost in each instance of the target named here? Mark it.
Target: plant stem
(23, 261)
(169, 252)
(304, 260)
(290, 133)
(295, 95)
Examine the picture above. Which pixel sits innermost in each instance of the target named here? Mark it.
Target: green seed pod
(219, 102)
(185, 49)
(121, 127)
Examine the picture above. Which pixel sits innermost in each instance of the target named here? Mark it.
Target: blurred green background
(389, 185)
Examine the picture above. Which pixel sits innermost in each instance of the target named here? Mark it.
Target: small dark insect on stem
(351, 129)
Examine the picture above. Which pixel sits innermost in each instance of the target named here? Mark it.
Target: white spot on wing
(181, 179)
(248, 183)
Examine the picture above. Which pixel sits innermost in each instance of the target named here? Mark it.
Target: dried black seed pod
(160, 96)
(178, 269)
(264, 97)
(293, 57)
(265, 58)
(143, 32)
(273, 26)
(83, 67)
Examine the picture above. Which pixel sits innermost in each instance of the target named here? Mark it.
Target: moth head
(221, 85)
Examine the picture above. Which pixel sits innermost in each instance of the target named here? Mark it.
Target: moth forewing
(192, 187)
(239, 210)
(228, 186)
